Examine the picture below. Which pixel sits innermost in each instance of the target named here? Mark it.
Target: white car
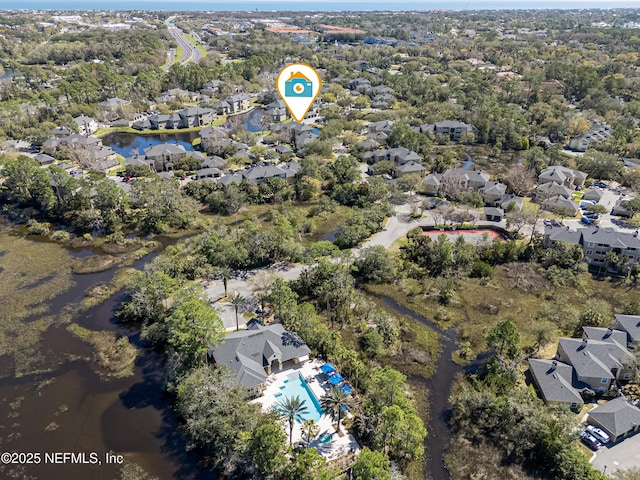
(598, 433)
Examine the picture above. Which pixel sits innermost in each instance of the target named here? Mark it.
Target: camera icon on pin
(298, 86)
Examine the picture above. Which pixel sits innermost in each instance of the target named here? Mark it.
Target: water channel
(133, 416)
(71, 409)
(439, 388)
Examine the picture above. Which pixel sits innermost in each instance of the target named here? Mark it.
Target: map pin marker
(299, 85)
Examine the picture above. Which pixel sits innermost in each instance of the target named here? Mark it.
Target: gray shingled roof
(229, 179)
(163, 149)
(611, 237)
(610, 335)
(410, 167)
(631, 325)
(493, 212)
(556, 380)
(247, 352)
(594, 358)
(554, 188)
(617, 416)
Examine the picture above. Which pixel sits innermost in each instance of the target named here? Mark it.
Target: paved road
(191, 52)
(623, 455)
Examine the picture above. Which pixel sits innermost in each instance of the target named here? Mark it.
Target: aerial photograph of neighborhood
(286, 240)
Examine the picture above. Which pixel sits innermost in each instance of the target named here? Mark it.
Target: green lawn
(198, 46)
(179, 55)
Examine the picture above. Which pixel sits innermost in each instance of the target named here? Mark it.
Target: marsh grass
(32, 274)
(112, 353)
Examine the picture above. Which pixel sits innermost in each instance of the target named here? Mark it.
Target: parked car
(598, 434)
(586, 221)
(600, 184)
(589, 440)
(591, 215)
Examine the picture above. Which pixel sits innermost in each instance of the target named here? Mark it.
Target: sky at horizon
(325, 5)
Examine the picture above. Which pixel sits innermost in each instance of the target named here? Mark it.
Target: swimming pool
(296, 386)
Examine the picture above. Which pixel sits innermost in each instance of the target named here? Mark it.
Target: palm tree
(292, 408)
(237, 300)
(225, 272)
(610, 259)
(310, 428)
(335, 401)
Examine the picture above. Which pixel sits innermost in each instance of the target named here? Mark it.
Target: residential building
(165, 122)
(195, 117)
(593, 193)
(253, 354)
(401, 169)
(493, 214)
(599, 132)
(61, 132)
(596, 242)
(557, 382)
(79, 141)
(257, 175)
(597, 363)
(209, 172)
(631, 325)
(552, 189)
(621, 209)
(238, 103)
(560, 204)
(493, 193)
(44, 160)
(113, 104)
(212, 87)
(163, 155)
(618, 417)
(86, 125)
(451, 129)
(563, 176)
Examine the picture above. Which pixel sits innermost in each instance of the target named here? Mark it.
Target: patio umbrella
(336, 379)
(327, 368)
(345, 388)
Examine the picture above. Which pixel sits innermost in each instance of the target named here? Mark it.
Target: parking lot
(609, 199)
(623, 455)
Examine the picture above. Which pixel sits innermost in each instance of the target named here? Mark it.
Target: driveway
(397, 227)
(242, 284)
(623, 455)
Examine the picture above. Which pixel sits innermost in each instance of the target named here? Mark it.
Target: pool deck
(310, 371)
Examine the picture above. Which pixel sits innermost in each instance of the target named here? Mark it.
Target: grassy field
(485, 303)
(179, 54)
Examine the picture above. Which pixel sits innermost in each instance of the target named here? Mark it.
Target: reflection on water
(129, 144)
(71, 409)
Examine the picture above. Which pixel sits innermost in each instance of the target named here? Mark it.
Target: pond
(130, 144)
(253, 121)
